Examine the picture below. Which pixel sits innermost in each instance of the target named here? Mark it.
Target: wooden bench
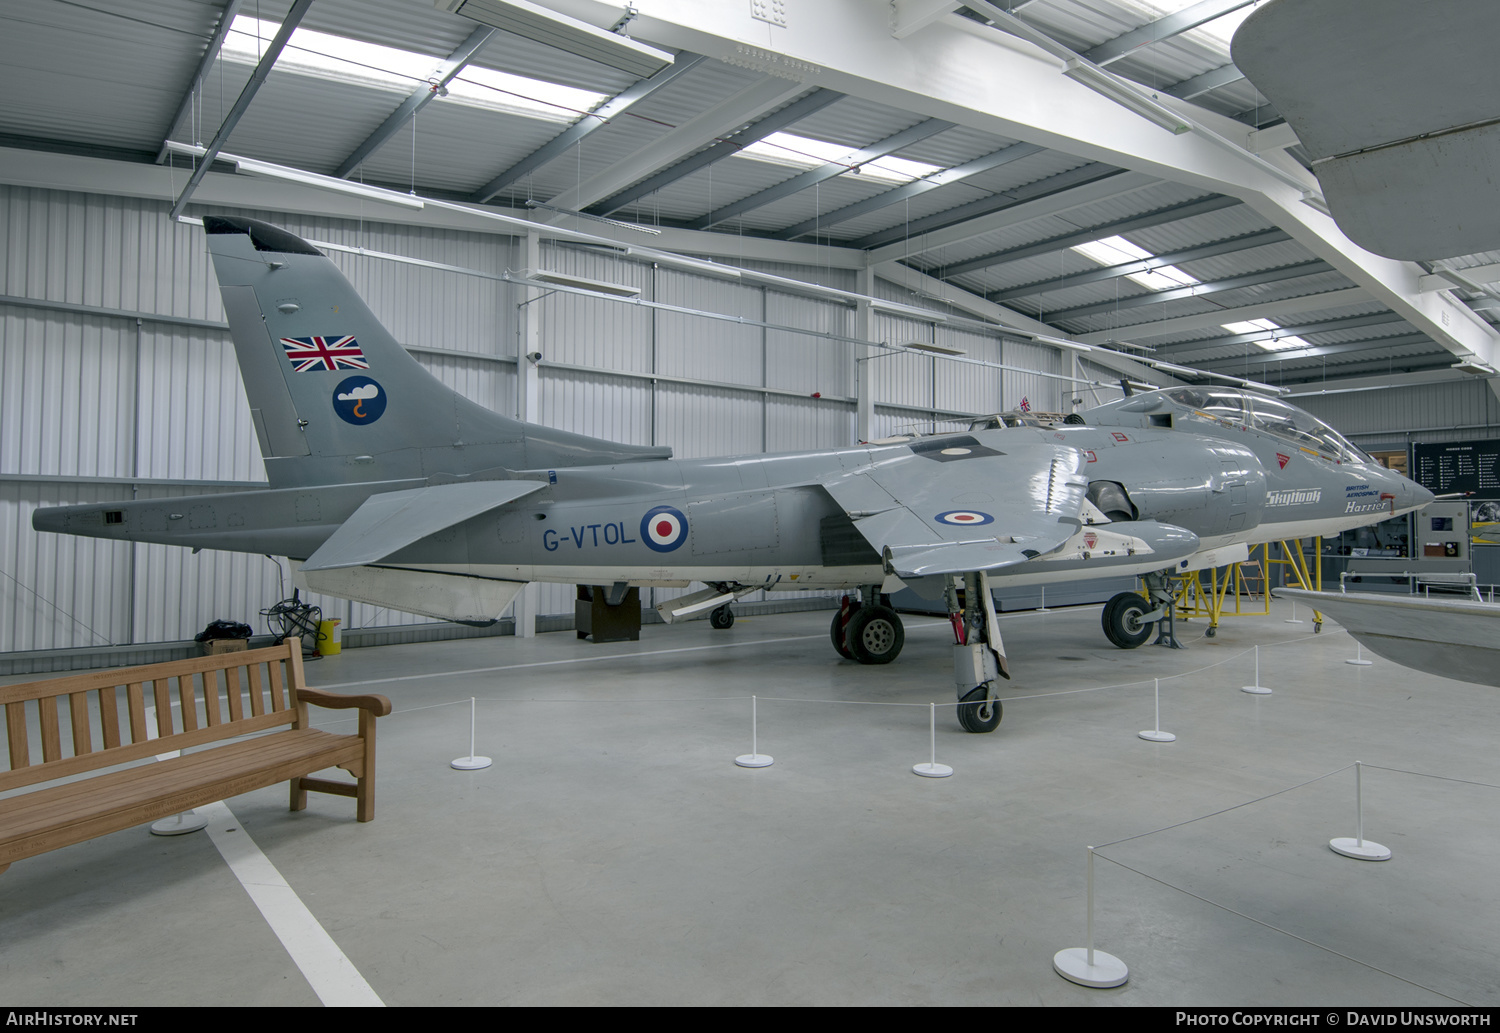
(217, 701)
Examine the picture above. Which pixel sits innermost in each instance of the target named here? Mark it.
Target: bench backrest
(216, 697)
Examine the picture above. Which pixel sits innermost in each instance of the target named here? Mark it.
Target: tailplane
(335, 398)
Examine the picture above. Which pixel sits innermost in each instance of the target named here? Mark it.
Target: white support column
(528, 392)
(864, 328)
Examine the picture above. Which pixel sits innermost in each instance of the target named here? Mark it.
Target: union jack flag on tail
(324, 353)
(1025, 405)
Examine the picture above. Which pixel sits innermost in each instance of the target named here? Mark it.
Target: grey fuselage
(765, 519)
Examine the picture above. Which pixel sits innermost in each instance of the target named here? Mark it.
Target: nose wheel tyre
(1122, 620)
(875, 635)
(721, 618)
(977, 712)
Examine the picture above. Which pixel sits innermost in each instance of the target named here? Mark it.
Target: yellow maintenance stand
(1204, 593)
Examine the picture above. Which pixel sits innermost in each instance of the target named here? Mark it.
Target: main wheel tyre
(721, 618)
(876, 635)
(1122, 620)
(838, 634)
(977, 712)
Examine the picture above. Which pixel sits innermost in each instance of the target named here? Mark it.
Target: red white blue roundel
(964, 518)
(664, 529)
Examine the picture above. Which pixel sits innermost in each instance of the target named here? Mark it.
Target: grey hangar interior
(745, 228)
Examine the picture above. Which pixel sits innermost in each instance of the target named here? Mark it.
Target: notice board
(1472, 467)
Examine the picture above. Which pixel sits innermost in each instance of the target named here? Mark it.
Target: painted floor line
(327, 969)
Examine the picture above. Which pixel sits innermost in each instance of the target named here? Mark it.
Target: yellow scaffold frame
(1194, 598)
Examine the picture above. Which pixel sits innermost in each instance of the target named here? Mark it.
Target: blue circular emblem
(663, 529)
(964, 518)
(359, 400)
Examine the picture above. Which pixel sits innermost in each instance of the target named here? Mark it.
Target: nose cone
(1420, 496)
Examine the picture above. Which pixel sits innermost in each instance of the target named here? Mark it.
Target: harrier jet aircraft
(392, 489)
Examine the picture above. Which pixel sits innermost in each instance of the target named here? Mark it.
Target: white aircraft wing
(953, 504)
(389, 522)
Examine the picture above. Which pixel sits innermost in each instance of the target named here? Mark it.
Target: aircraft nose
(1420, 496)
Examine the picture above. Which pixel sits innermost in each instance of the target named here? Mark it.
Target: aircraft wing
(953, 504)
(389, 522)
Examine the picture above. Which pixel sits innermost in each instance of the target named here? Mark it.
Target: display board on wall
(1470, 467)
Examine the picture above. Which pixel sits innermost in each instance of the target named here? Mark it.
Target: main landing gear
(1128, 618)
(869, 632)
(978, 652)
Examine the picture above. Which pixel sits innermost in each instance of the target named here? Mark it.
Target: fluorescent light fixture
(805, 153)
(594, 218)
(1476, 367)
(583, 283)
(930, 348)
(683, 262)
(1114, 251)
(1274, 343)
(558, 30)
(1058, 342)
(897, 309)
(1107, 85)
(251, 167)
(1172, 367)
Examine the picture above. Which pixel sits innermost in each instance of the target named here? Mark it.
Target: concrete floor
(615, 855)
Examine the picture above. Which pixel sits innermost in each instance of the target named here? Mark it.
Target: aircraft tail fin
(333, 395)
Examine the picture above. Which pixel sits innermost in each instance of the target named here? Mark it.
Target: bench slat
(136, 701)
(51, 737)
(15, 733)
(78, 712)
(17, 778)
(159, 690)
(156, 799)
(109, 716)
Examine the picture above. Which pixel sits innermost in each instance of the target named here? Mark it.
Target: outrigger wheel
(1122, 620)
(977, 712)
(721, 618)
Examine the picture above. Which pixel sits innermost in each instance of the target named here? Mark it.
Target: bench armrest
(377, 704)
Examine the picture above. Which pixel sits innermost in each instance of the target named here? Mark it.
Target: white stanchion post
(1257, 689)
(471, 762)
(753, 759)
(177, 824)
(1043, 607)
(1156, 734)
(1359, 657)
(1294, 619)
(1084, 965)
(932, 769)
(1359, 848)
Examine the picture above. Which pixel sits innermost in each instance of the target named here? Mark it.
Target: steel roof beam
(1314, 351)
(1214, 319)
(1404, 364)
(1228, 246)
(1163, 29)
(1292, 330)
(1197, 290)
(593, 121)
(1016, 89)
(956, 174)
(605, 188)
(1054, 195)
(812, 177)
(1172, 213)
(1209, 80)
(226, 22)
(420, 97)
(257, 79)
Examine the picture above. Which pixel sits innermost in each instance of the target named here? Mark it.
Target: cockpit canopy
(1244, 408)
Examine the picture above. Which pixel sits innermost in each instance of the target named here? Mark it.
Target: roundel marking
(359, 400)
(663, 529)
(964, 518)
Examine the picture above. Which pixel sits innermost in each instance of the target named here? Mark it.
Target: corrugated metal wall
(98, 407)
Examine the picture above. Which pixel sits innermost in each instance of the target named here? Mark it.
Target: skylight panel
(1216, 33)
(805, 153)
(370, 64)
(1272, 344)
(1113, 251)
